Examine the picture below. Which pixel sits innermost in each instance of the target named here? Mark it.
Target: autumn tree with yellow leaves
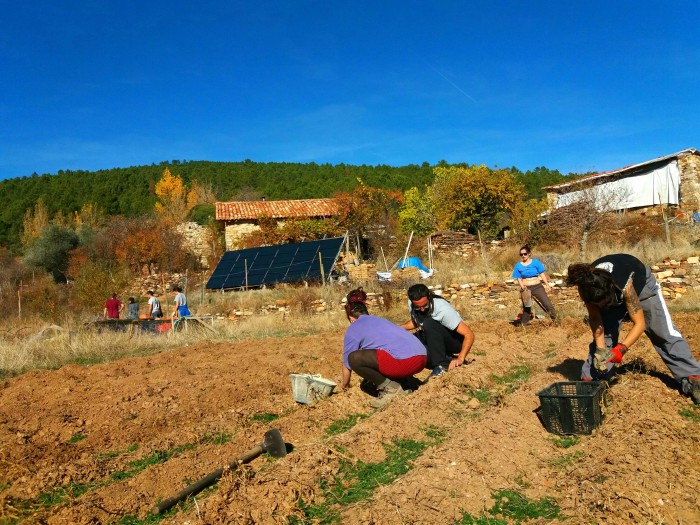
(34, 222)
(171, 207)
(473, 198)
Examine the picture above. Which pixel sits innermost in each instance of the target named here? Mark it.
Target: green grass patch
(565, 441)
(566, 460)
(518, 375)
(693, 413)
(512, 507)
(265, 417)
(343, 425)
(60, 495)
(523, 483)
(218, 438)
(116, 453)
(549, 355)
(75, 438)
(155, 458)
(483, 395)
(435, 433)
(357, 481)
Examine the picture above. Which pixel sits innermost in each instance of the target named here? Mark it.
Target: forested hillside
(129, 191)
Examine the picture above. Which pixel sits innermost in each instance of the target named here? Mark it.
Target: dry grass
(36, 345)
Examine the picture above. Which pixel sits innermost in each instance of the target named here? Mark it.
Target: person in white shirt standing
(181, 309)
(154, 309)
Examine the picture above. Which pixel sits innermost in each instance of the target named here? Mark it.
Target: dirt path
(103, 444)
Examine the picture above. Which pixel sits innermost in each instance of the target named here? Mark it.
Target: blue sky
(574, 86)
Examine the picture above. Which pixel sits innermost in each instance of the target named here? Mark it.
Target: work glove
(600, 358)
(617, 352)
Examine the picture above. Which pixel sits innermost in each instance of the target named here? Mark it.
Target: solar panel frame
(281, 263)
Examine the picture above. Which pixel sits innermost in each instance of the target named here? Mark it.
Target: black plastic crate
(573, 407)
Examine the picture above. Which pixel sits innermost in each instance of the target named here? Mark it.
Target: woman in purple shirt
(379, 351)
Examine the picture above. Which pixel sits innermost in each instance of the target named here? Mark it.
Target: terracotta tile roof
(627, 170)
(247, 210)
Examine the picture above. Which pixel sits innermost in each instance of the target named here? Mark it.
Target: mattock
(272, 443)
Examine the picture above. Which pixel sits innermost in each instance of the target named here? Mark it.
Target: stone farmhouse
(672, 180)
(242, 217)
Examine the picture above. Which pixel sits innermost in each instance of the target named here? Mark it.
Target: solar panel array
(283, 263)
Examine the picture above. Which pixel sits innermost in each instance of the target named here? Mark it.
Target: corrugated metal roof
(620, 171)
(247, 210)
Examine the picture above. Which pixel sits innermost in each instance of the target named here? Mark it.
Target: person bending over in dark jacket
(620, 287)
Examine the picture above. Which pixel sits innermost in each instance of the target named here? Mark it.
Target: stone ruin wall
(689, 167)
(197, 240)
(234, 232)
(677, 279)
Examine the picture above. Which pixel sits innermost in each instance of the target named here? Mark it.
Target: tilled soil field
(103, 444)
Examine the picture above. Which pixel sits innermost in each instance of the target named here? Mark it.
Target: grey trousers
(663, 334)
(538, 292)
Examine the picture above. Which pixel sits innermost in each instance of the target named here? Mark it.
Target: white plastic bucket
(307, 388)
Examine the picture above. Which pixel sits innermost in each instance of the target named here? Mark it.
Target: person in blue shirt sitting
(534, 283)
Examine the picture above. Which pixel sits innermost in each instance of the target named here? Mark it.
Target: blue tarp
(412, 261)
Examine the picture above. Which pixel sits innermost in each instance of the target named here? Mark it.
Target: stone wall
(461, 243)
(234, 232)
(689, 167)
(197, 240)
(677, 278)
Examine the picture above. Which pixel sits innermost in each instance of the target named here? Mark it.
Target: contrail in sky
(455, 85)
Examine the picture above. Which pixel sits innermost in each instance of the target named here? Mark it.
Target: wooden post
(383, 257)
(19, 301)
(664, 215)
(246, 273)
(410, 238)
(487, 272)
(320, 262)
(347, 250)
(430, 252)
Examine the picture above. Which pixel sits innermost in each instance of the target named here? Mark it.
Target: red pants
(398, 368)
